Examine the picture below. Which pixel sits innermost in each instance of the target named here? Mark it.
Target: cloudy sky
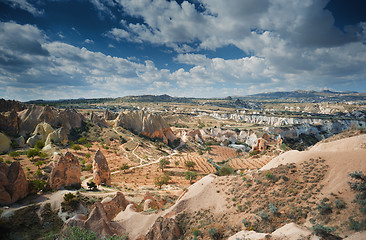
(60, 49)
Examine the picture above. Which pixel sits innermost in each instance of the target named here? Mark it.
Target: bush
(270, 176)
(190, 176)
(125, 166)
(14, 154)
(76, 147)
(340, 204)
(253, 153)
(359, 184)
(190, 164)
(226, 171)
(322, 231)
(37, 184)
(38, 174)
(77, 233)
(82, 140)
(324, 208)
(39, 144)
(31, 153)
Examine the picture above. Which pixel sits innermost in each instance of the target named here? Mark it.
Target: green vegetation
(39, 144)
(92, 186)
(76, 147)
(190, 165)
(161, 180)
(163, 163)
(77, 233)
(31, 153)
(82, 140)
(125, 166)
(191, 176)
(38, 184)
(14, 154)
(359, 185)
(226, 171)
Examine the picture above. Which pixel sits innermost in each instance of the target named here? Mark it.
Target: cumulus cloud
(296, 38)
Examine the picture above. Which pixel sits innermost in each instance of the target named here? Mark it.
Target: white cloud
(25, 5)
(89, 41)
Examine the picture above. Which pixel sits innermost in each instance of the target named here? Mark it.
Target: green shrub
(340, 204)
(76, 147)
(14, 154)
(190, 164)
(125, 166)
(359, 184)
(39, 144)
(82, 140)
(322, 231)
(270, 176)
(324, 208)
(253, 153)
(190, 176)
(355, 225)
(92, 186)
(37, 184)
(226, 171)
(31, 153)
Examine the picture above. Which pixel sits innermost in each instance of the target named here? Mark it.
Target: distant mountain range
(297, 96)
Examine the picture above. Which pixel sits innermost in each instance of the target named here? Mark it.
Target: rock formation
(66, 172)
(57, 136)
(96, 119)
(101, 172)
(97, 222)
(40, 133)
(4, 143)
(113, 206)
(13, 183)
(164, 229)
(260, 146)
(29, 118)
(9, 122)
(109, 115)
(149, 202)
(9, 105)
(147, 124)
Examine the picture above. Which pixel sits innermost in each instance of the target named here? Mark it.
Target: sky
(61, 49)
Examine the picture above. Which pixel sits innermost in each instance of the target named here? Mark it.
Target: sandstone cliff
(147, 124)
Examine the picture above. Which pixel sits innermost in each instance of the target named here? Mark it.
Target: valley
(271, 166)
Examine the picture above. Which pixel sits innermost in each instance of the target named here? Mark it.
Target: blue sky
(61, 49)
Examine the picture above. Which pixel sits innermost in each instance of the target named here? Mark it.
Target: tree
(39, 144)
(82, 140)
(92, 186)
(225, 171)
(87, 155)
(190, 164)
(190, 176)
(161, 180)
(163, 163)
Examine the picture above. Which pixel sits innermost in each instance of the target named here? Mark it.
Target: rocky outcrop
(9, 122)
(10, 105)
(29, 118)
(260, 146)
(113, 206)
(13, 183)
(146, 124)
(66, 172)
(164, 229)
(97, 222)
(97, 120)
(149, 202)
(109, 115)
(57, 136)
(4, 143)
(101, 172)
(40, 133)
